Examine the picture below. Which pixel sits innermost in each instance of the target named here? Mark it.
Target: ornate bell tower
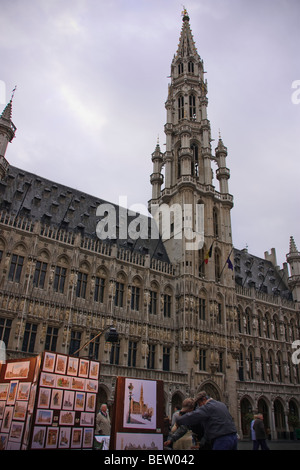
(183, 187)
(187, 163)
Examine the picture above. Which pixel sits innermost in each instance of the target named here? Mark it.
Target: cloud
(92, 80)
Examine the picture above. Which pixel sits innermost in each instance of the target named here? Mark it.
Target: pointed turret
(293, 258)
(223, 173)
(156, 178)
(7, 133)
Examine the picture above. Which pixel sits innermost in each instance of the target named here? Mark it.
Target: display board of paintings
(48, 402)
(18, 380)
(66, 403)
(138, 415)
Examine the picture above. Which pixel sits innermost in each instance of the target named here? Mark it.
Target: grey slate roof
(252, 271)
(36, 198)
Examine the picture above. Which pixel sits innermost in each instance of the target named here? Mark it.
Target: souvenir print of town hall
(215, 318)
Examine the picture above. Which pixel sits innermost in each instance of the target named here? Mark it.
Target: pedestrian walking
(213, 415)
(253, 435)
(260, 433)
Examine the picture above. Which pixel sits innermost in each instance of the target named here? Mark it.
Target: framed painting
(47, 380)
(2, 408)
(139, 441)
(76, 438)
(51, 438)
(44, 397)
(83, 368)
(139, 404)
(68, 400)
(38, 437)
(49, 361)
(3, 440)
(24, 391)
(20, 409)
(79, 401)
(12, 392)
(73, 366)
(17, 370)
(3, 391)
(91, 385)
(67, 418)
(44, 417)
(87, 419)
(63, 381)
(7, 418)
(56, 399)
(94, 370)
(77, 383)
(61, 364)
(64, 440)
(16, 431)
(90, 402)
(88, 438)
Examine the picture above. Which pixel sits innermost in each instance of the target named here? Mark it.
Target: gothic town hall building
(214, 318)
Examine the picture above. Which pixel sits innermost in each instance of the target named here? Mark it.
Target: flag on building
(208, 254)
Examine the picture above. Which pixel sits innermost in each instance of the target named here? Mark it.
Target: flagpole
(205, 255)
(226, 262)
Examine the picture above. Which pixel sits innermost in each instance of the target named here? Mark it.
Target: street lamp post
(111, 336)
(130, 388)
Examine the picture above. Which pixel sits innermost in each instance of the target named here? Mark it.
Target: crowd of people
(205, 423)
(201, 423)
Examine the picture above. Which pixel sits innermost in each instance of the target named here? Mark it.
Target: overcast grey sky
(92, 80)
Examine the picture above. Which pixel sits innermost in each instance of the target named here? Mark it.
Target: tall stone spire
(7, 133)
(187, 179)
(293, 258)
(188, 150)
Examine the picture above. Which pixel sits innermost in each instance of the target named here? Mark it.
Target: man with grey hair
(218, 424)
(103, 421)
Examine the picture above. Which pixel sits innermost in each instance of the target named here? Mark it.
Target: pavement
(272, 444)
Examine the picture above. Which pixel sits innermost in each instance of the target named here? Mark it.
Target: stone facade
(211, 317)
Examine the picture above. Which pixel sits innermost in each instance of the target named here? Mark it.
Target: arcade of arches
(279, 416)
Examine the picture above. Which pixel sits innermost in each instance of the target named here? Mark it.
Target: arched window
(241, 365)
(263, 364)
(259, 324)
(268, 324)
(248, 321)
(276, 327)
(153, 303)
(271, 364)
(279, 363)
(217, 265)
(251, 364)
(201, 262)
(215, 222)
(191, 67)
(180, 68)
(195, 161)
(239, 319)
(180, 107)
(192, 106)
